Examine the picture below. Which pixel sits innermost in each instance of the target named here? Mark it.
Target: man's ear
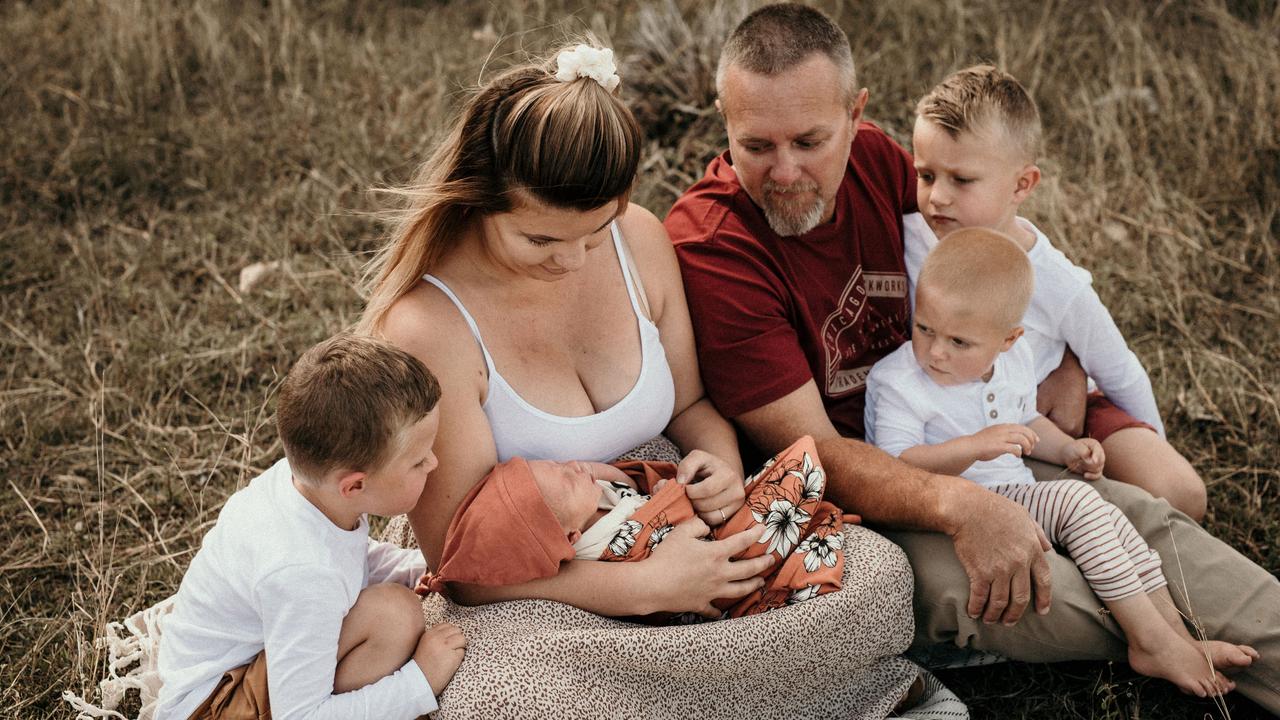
(719, 107)
(859, 106)
(573, 536)
(351, 483)
(1014, 334)
(1028, 179)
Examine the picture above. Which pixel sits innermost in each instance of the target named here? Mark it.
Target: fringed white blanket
(132, 664)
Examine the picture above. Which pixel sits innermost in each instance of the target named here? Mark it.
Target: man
(791, 250)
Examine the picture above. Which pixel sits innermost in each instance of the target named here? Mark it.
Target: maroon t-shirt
(771, 312)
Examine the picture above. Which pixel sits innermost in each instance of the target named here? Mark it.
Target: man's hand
(991, 442)
(1061, 397)
(1002, 551)
(1084, 456)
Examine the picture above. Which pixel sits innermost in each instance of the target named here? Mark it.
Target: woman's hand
(686, 573)
(713, 486)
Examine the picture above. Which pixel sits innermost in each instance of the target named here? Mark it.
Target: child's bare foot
(1179, 662)
(1226, 656)
(439, 653)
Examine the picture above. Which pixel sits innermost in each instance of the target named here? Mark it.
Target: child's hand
(421, 588)
(439, 653)
(991, 442)
(1084, 456)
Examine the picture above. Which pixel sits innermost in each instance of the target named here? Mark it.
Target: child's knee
(1186, 492)
(395, 611)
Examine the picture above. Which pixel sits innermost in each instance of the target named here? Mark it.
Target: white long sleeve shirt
(906, 408)
(274, 573)
(1065, 311)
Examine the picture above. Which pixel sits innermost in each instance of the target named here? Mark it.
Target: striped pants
(1112, 556)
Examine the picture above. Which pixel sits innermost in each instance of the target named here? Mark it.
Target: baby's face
(954, 341)
(570, 491)
(967, 181)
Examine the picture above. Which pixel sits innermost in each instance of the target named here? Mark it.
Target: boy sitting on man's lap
(960, 400)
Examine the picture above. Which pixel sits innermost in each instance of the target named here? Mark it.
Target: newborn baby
(526, 517)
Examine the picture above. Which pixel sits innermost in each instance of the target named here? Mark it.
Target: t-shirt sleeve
(893, 424)
(917, 240)
(394, 564)
(1091, 333)
(756, 358)
(302, 610)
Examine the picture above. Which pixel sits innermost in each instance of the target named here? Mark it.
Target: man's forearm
(887, 491)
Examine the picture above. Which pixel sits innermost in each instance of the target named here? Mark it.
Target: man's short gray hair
(776, 38)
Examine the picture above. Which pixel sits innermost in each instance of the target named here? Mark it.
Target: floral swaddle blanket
(785, 496)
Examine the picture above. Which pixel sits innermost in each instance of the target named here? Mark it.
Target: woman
(553, 313)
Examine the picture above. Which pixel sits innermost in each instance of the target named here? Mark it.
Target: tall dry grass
(152, 151)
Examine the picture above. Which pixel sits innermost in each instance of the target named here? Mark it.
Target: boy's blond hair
(981, 97)
(985, 268)
(345, 400)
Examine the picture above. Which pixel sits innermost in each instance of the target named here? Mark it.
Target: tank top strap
(638, 306)
(471, 322)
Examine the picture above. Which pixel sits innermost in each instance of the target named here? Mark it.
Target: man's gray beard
(791, 224)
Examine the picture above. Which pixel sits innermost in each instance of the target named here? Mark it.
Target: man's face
(789, 136)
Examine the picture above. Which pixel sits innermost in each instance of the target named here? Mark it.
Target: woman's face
(543, 242)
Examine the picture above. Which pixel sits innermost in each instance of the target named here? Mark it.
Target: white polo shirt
(906, 408)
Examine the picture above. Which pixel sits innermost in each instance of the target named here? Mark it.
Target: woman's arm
(695, 423)
(684, 574)
(426, 325)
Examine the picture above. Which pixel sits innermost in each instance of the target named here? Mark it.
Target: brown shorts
(241, 694)
(1102, 417)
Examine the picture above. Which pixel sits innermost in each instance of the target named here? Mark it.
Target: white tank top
(520, 429)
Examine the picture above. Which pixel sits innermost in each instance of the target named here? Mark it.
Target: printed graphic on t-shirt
(893, 285)
(852, 329)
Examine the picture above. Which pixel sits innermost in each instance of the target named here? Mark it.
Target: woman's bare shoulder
(644, 233)
(654, 257)
(426, 324)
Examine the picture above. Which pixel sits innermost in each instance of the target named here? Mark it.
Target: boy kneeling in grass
(289, 609)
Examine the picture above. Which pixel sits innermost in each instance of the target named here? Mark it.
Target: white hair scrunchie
(586, 61)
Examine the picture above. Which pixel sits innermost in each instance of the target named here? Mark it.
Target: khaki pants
(1232, 598)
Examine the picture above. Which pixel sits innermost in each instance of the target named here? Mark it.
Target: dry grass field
(152, 150)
